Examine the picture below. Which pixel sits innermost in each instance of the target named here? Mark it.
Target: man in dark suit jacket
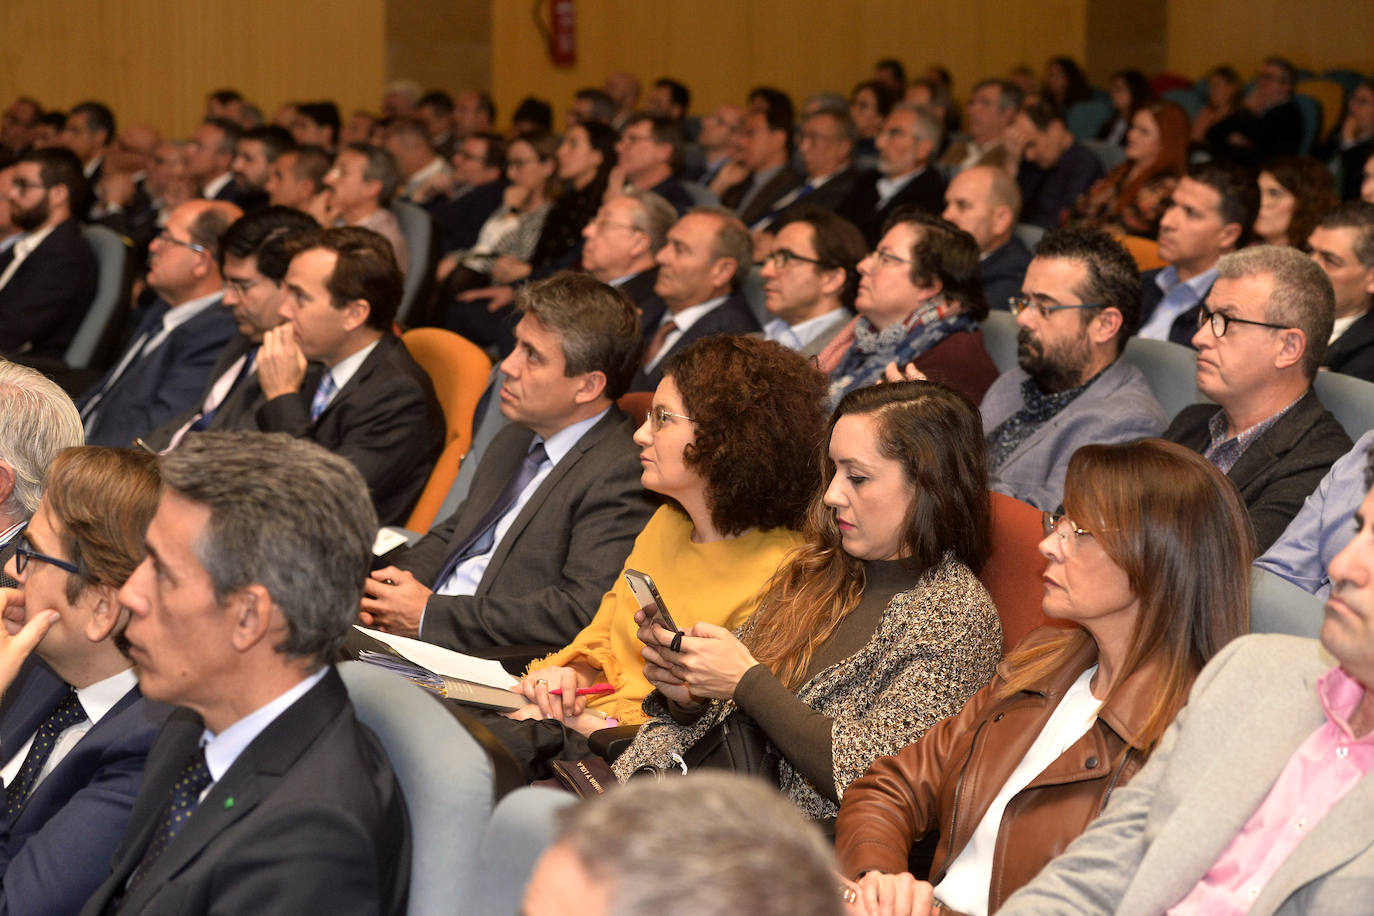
(301, 811)
(170, 355)
(985, 202)
(905, 176)
(527, 556)
(210, 157)
(365, 398)
(1343, 245)
(767, 153)
(253, 257)
(699, 272)
(479, 174)
(74, 729)
(48, 277)
(624, 239)
(1273, 308)
(1211, 213)
(826, 145)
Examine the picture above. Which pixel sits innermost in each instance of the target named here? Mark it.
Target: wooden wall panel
(154, 60)
(722, 47)
(1317, 34)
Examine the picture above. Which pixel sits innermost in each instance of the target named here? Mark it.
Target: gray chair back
(752, 291)
(1171, 370)
(999, 337)
(701, 195)
(520, 829)
(418, 228)
(106, 309)
(1350, 400)
(1279, 606)
(1029, 234)
(446, 778)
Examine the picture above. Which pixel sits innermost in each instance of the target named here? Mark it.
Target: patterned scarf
(899, 343)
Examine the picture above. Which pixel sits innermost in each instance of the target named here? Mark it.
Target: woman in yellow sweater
(732, 440)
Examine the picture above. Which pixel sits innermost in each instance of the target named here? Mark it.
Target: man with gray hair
(37, 420)
(990, 111)
(262, 793)
(623, 240)
(1262, 334)
(711, 844)
(906, 146)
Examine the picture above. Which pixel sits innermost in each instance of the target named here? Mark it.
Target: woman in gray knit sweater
(876, 628)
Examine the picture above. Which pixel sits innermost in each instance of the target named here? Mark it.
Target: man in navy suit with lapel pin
(162, 371)
(74, 729)
(556, 502)
(263, 794)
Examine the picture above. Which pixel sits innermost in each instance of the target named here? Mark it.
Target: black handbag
(737, 743)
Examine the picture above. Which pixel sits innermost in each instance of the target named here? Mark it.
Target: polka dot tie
(67, 713)
(181, 804)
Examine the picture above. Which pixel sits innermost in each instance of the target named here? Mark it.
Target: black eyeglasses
(167, 239)
(1218, 321)
(781, 257)
(24, 552)
(1020, 303)
(23, 185)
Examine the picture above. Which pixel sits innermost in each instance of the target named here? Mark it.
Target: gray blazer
(1118, 407)
(560, 555)
(1250, 709)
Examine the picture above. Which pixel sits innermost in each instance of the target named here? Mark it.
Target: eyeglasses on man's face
(884, 258)
(781, 257)
(1220, 322)
(164, 238)
(24, 552)
(1020, 303)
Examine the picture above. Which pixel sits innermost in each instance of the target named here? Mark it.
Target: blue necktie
(67, 713)
(322, 395)
(484, 534)
(181, 804)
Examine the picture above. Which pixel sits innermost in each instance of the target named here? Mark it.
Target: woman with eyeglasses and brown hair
(1148, 576)
(731, 441)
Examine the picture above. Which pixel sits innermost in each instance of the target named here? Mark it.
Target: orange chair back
(1145, 251)
(636, 404)
(1013, 573)
(458, 369)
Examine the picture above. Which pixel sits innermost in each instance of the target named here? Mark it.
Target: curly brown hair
(759, 414)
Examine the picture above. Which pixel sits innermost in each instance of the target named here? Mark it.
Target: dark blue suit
(732, 316)
(1003, 271)
(57, 850)
(1184, 326)
(160, 385)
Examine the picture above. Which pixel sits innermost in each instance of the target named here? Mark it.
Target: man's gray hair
(37, 420)
(1302, 297)
(732, 241)
(708, 844)
(927, 125)
(654, 217)
(286, 514)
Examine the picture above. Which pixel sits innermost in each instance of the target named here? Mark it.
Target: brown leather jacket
(946, 780)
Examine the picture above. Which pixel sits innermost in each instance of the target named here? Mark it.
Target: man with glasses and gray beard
(1078, 305)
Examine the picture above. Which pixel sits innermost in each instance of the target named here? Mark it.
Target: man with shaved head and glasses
(1261, 335)
(1078, 305)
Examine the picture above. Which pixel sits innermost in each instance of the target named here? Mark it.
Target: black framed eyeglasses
(1020, 303)
(23, 185)
(24, 552)
(1219, 322)
(781, 257)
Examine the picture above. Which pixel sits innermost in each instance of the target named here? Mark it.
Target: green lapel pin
(228, 803)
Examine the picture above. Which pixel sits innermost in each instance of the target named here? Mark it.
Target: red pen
(592, 691)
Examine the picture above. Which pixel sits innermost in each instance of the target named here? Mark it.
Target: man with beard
(1078, 306)
(48, 277)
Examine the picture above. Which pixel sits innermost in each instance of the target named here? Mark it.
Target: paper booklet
(453, 675)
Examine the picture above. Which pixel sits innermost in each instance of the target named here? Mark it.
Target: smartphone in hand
(646, 593)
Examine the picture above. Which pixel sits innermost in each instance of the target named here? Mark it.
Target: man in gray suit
(556, 502)
(1257, 799)
(1078, 306)
(810, 278)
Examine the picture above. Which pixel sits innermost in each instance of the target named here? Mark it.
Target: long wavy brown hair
(1176, 526)
(937, 436)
